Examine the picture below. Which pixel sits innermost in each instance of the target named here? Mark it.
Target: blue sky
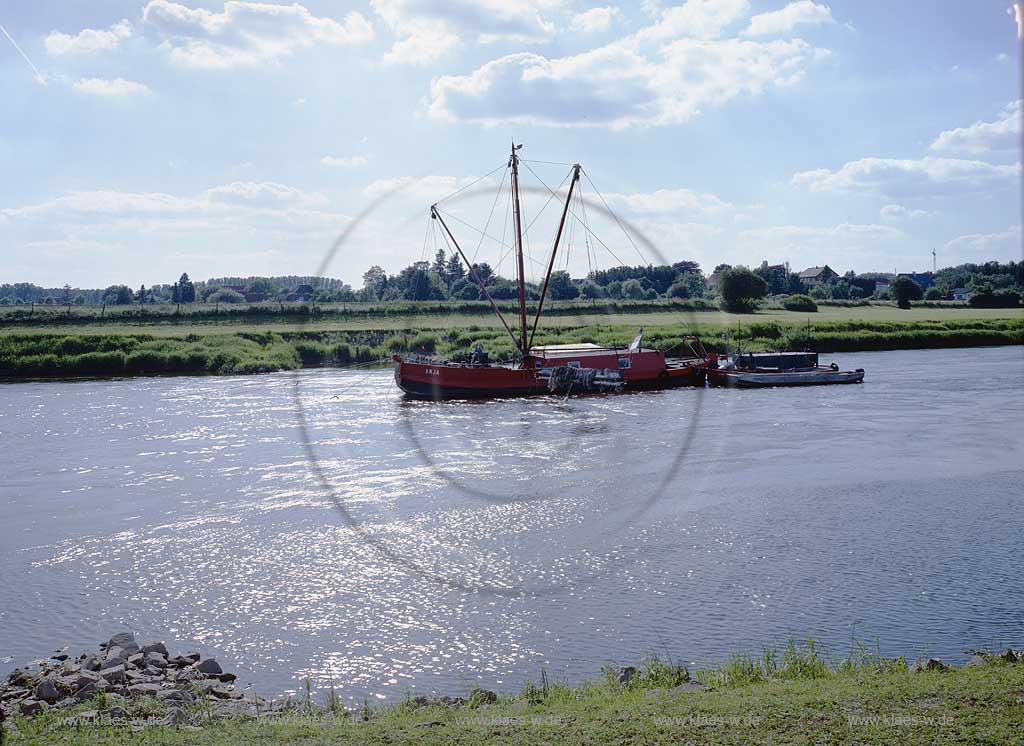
(240, 138)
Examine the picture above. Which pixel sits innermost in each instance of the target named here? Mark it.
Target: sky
(139, 140)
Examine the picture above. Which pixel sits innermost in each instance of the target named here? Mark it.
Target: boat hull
(753, 379)
(436, 380)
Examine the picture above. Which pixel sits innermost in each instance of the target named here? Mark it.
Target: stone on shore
(625, 675)
(155, 647)
(976, 660)
(30, 707)
(46, 690)
(125, 641)
(113, 674)
(1009, 656)
(209, 666)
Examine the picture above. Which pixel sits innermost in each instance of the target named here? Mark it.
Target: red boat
(566, 369)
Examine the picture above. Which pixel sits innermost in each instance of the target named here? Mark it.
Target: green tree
(632, 290)
(440, 265)
(141, 295)
(375, 281)
(741, 290)
(263, 286)
(561, 287)
(453, 270)
(225, 295)
(117, 295)
(905, 290)
(933, 294)
(185, 290)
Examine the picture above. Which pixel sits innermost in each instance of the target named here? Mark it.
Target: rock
(16, 693)
(113, 674)
(92, 663)
(152, 671)
(30, 707)
(932, 664)
(114, 656)
(125, 641)
(174, 695)
(209, 666)
(80, 679)
(62, 657)
(143, 690)
(20, 678)
(194, 657)
(47, 691)
(155, 647)
(136, 660)
(625, 674)
(976, 660)
(86, 691)
(452, 701)
(175, 717)
(116, 713)
(134, 677)
(227, 678)
(156, 659)
(1009, 656)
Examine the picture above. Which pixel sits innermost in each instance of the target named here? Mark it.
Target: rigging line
(546, 163)
(549, 199)
(591, 232)
(457, 191)
(609, 209)
(426, 236)
(489, 216)
(474, 228)
(591, 256)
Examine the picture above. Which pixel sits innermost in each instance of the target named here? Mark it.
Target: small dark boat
(769, 369)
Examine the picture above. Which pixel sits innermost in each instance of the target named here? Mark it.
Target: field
(201, 342)
(792, 696)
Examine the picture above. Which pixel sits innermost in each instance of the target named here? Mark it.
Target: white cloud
(981, 137)
(116, 88)
(427, 29)
(247, 33)
(595, 19)
(911, 178)
(1002, 57)
(672, 201)
(897, 213)
(351, 161)
(619, 85)
(844, 245)
(87, 40)
(803, 12)
(1005, 245)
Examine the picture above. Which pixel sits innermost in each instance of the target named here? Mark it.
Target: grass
(39, 354)
(797, 696)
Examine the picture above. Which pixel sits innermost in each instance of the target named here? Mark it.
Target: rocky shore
(145, 685)
(120, 676)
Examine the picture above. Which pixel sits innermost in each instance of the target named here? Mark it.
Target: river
(314, 524)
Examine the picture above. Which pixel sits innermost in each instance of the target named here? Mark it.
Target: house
(776, 275)
(960, 293)
(301, 293)
(814, 276)
(924, 279)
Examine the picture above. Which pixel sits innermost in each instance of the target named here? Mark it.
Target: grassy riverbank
(41, 355)
(796, 696)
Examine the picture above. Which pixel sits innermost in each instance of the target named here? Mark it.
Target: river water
(315, 524)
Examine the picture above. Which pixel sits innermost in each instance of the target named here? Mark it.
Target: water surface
(478, 543)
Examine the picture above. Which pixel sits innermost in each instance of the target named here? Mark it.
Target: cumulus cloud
(427, 29)
(428, 188)
(116, 88)
(1004, 245)
(897, 213)
(619, 85)
(350, 161)
(910, 178)
(801, 13)
(595, 19)
(247, 33)
(673, 201)
(235, 200)
(87, 40)
(1002, 134)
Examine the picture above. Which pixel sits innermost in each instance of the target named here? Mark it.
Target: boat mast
(554, 249)
(523, 348)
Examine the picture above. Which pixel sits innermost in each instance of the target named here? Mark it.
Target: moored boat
(771, 369)
(540, 369)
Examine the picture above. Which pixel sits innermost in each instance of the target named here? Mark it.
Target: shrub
(995, 299)
(800, 303)
(905, 290)
(933, 294)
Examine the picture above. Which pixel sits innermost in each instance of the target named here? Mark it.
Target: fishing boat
(770, 369)
(543, 369)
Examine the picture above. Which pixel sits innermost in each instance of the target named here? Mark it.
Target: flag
(634, 346)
